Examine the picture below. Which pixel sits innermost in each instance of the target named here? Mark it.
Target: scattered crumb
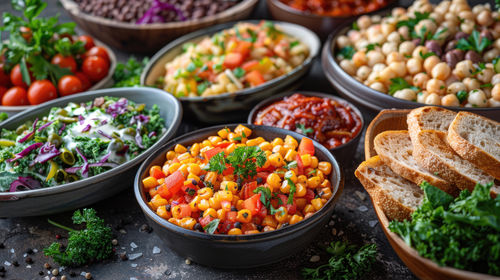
(188, 261)
(314, 258)
(156, 250)
(133, 245)
(7, 263)
(334, 231)
(372, 223)
(134, 265)
(360, 195)
(363, 208)
(134, 256)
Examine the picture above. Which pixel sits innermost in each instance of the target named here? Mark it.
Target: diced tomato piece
(247, 190)
(164, 192)
(195, 215)
(231, 216)
(309, 195)
(270, 168)
(233, 60)
(185, 211)
(300, 165)
(178, 199)
(228, 171)
(263, 175)
(156, 172)
(262, 212)
(188, 198)
(255, 78)
(206, 220)
(225, 226)
(248, 227)
(253, 204)
(223, 145)
(212, 152)
(186, 189)
(243, 48)
(250, 65)
(291, 208)
(225, 204)
(306, 146)
(174, 181)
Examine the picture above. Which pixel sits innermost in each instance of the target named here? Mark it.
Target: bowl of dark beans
(145, 26)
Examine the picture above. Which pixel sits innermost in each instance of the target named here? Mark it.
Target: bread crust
(393, 209)
(405, 171)
(468, 150)
(415, 122)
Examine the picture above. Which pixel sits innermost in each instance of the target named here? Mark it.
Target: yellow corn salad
(244, 56)
(231, 183)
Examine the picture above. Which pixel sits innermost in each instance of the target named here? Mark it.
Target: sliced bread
(396, 151)
(429, 118)
(476, 139)
(432, 152)
(397, 196)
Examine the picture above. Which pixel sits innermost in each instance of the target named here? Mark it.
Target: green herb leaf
(399, 84)
(293, 188)
(303, 128)
(238, 72)
(474, 42)
(212, 226)
(129, 74)
(24, 72)
(202, 87)
(346, 52)
(294, 44)
(371, 47)
(462, 95)
(424, 56)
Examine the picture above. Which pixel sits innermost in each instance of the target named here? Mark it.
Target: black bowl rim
(157, 26)
(288, 9)
(313, 53)
(224, 238)
(170, 131)
(338, 74)
(272, 99)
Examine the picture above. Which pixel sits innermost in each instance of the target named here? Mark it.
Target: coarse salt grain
(363, 208)
(134, 256)
(156, 250)
(133, 245)
(7, 263)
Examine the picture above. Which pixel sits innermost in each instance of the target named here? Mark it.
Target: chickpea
(466, 15)
(485, 75)
(389, 47)
(484, 18)
(348, 67)
(394, 37)
(451, 79)
(343, 41)
(359, 58)
(421, 96)
(420, 80)
(363, 72)
(441, 71)
(451, 17)
(387, 28)
(375, 57)
(430, 62)
(406, 94)
(404, 31)
(425, 26)
(493, 102)
(406, 47)
(436, 86)
(376, 18)
(418, 50)
(414, 66)
(487, 92)
(354, 35)
(399, 68)
(379, 67)
(378, 38)
(438, 17)
(496, 44)
(467, 26)
(477, 98)
(456, 87)
(451, 25)
(398, 11)
(433, 99)
(477, 9)
(378, 86)
(394, 56)
(386, 75)
(450, 100)
(495, 79)
(495, 92)
(364, 22)
(361, 44)
(463, 69)
(491, 54)
(471, 83)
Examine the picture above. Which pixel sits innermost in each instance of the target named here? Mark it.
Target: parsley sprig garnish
(399, 84)
(303, 128)
(474, 43)
(244, 160)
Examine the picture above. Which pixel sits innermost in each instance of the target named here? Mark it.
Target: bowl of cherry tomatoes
(41, 60)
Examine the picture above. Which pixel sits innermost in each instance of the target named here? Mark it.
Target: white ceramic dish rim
(314, 48)
(170, 131)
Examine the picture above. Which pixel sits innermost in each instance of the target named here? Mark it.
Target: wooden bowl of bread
(403, 148)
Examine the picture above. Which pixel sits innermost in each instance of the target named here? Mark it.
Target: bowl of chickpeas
(238, 196)
(444, 55)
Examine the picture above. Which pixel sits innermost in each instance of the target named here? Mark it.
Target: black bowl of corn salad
(221, 197)
(419, 55)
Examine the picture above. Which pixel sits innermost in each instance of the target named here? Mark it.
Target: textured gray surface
(353, 220)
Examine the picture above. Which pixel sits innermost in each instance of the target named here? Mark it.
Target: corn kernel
(301, 203)
(184, 156)
(158, 201)
(206, 143)
(214, 140)
(306, 160)
(252, 142)
(290, 142)
(195, 149)
(268, 228)
(211, 177)
(279, 149)
(225, 195)
(317, 203)
(290, 155)
(173, 167)
(231, 136)
(314, 162)
(221, 214)
(180, 149)
(285, 188)
(276, 160)
(244, 216)
(325, 167)
(313, 182)
(243, 131)
(274, 181)
(194, 204)
(290, 174)
(194, 168)
(300, 190)
(214, 203)
(171, 155)
(187, 223)
(230, 148)
(326, 193)
(223, 133)
(269, 221)
(234, 231)
(309, 209)
(162, 212)
(203, 204)
(281, 215)
(176, 211)
(295, 219)
(150, 182)
(302, 179)
(192, 177)
(265, 146)
(210, 212)
(239, 204)
(277, 141)
(230, 186)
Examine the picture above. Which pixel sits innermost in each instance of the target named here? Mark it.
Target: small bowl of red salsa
(332, 121)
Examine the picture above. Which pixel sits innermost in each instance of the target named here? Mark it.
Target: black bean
(486, 34)
(451, 59)
(233, 208)
(198, 227)
(461, 35)
(473, 56)
(434, 47)
(451, 45)
(237, 225)
(459, 54)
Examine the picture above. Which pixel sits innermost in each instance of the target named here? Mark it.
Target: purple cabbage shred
(24, 184)
(46, 153)
(45, 126)
(24, 152)
(117, 108)
(153, 14)
(27, 136)
(86, 128)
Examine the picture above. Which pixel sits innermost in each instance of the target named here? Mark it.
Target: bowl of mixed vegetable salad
(75, 150)
(238, 188)
(220, 72)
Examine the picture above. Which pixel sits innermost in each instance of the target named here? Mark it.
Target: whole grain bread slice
(476, 139)
(396, 151)
(397, 196)
(432, 152)
(429, 118)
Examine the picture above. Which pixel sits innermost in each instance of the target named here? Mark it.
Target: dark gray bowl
(87, 191)
(356, 91)
(343, 153)
(238, 251)
(231, 106)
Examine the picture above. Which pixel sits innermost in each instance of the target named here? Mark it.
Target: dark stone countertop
(354, 220)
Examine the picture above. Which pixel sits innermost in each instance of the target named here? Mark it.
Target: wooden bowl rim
(396, 239)
(71, 7)
(99, 85)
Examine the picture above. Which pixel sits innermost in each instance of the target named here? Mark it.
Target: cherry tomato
(97, 51)
(69, 85)
(4, 77)
(17, 78)
(41, 91)
(86, 84)
(87, 40)
(3, 90)
(26, 33)
(15, 96)
(95, 67)
(64, 62)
